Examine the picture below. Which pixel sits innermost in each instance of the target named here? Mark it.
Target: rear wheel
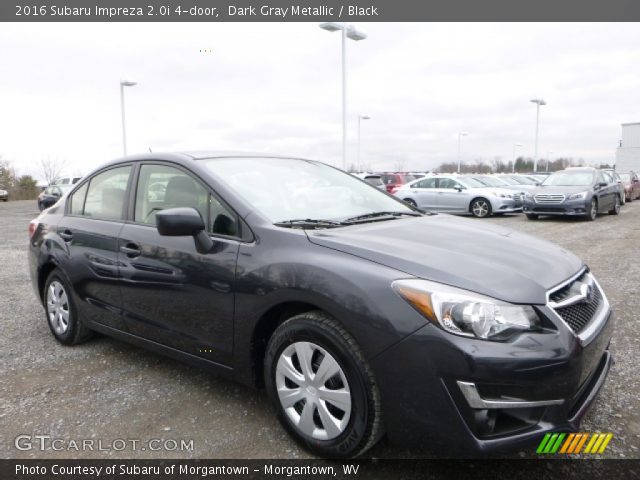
(480, 207)
(616, 207)
(322, 387)
(61, 313)
(532, 216)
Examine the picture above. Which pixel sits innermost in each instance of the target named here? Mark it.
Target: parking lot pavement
(107, 390)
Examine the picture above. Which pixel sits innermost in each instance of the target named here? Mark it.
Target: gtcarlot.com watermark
(43, 443)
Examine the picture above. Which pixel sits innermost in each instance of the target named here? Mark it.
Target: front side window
(428, 183)
(105, 196)
(162, 186)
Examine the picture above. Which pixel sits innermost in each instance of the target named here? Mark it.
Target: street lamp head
(364, 117)
(127, 83)
(463, 134)
(331, 26)
(539, 101)
(517, 144)
(354, 34)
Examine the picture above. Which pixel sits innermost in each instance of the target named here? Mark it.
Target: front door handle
(131, 250)
(66, 235)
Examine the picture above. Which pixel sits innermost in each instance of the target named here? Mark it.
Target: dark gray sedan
(582, 192)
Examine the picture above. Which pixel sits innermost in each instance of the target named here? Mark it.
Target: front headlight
(578, 196)
(501, 195)
(466, 313)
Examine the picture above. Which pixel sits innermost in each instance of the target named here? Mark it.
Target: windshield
(490, 181)
(524, 180)
(290, 189)
(472, 183)
(374, 181)
(569, 179)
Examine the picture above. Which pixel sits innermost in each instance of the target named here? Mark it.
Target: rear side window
(77, 200)
(427, 183)
(106, 194)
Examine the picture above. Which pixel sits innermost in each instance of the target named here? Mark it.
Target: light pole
(539, 102)
(124, 83)
(515, 145)
(360, 118)
(460, 135)
(548, 158)
(348, 31)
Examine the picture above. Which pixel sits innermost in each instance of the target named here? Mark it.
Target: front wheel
(593, 210)
(322, 387)
(532, 216)
(616, 207)
(411, 202)
(480, 207)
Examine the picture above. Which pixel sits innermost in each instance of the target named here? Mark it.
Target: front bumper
(579, 207)
(505, 205)
(425, 406)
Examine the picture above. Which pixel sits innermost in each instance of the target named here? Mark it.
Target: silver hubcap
(58, 308)
(313, 390)
(480, 208)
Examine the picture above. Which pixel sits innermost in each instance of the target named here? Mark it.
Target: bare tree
(51, 169)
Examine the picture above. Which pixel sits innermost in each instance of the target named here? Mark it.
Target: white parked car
(457, 194)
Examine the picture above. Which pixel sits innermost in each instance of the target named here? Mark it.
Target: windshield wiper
(309, 223)
(380, 216)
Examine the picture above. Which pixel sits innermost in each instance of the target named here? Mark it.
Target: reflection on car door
(171, 293)
(606, 194)
(90, 228)
(452, 196)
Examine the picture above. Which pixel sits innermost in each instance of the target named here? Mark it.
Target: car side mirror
(602, 184)
(183, 222)
(458, 188)
(636, 181)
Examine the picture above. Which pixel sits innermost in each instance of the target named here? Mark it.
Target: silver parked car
(459, 194)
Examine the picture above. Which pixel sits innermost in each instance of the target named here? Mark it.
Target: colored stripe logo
(554, 443)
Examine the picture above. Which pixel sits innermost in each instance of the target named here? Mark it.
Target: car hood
(494, 261)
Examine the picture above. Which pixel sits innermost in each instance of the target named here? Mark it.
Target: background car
(372, 179)
(616, 178)
(582, 192)
(4, 195)
(393, 181)
(458, 194)
(51, 195)
(631, 184)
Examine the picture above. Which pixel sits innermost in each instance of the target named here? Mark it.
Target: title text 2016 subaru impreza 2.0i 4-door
(359, 314)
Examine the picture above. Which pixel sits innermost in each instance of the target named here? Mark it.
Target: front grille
(577, 315)
(549, 198)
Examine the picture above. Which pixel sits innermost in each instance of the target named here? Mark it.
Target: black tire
(411, 202)
(40, 206)
(616, 206)
(363, 427)
(592, 214)
(75, 332)
(531, 216)
(480, 207)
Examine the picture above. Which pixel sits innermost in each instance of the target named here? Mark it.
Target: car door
(93, 219)
(171, 293)
(451, 196)
(608, 193)
(424, 193)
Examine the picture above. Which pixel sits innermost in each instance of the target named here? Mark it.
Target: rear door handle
(66, 235)
(131, 250)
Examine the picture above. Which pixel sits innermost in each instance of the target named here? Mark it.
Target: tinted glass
(291, 189)
(162, 186)
(77, 200)
(426, 183)
(569, 179)
(106, 194)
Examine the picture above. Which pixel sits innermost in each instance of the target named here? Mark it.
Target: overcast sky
(276, 88)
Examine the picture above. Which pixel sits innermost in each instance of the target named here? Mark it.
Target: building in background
(628, 153)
